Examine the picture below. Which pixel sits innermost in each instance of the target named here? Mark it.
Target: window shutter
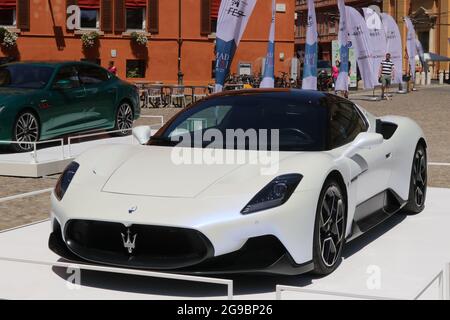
(107, 15)
(153, 16)
(23, 14)
(119, 16)
(205, 17)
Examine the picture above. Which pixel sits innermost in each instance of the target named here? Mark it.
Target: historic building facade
(180, 33)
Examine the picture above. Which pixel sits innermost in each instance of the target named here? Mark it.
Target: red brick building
(43, 35)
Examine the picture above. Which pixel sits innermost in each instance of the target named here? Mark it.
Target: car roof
(50, 63)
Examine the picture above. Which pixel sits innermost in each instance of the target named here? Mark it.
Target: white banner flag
(231, 24)
(343, 39)
(269, 74)
(359, 36)
(377, 41)
(411, 48)
(393, 45)
(310, 63)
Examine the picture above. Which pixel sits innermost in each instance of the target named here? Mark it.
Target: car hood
(157, 171)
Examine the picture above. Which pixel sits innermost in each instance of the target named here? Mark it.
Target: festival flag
(269, 74)
(310, 63)
(231, 24)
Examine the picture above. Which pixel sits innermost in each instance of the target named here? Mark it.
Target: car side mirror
(363, 140)
(63, 84)
(142, 134)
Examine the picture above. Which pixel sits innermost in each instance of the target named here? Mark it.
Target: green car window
(25, 76)
(68, 73)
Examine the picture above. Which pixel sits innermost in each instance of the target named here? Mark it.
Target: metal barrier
(181, 277)
(34, 153)
(439, 277)
(35, 144)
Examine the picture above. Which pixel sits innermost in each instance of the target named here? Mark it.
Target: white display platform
(51, 160)
(399, 258)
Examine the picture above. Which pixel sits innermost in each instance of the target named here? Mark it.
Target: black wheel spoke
(331, 228)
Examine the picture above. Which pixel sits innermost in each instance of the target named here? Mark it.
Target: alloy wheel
(26, 130)
(332, 225)
(419, 177)
(124, 118)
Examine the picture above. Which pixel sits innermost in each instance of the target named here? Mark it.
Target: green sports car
(44, 100)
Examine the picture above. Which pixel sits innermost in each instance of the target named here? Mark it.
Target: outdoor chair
(177, 97)
(154, 97)
(199, 93)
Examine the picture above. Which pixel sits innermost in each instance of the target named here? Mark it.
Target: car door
(101, 93)
(346, 122)
(66, 103)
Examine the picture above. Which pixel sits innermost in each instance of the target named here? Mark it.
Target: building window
(135, 18)
(7, 17)
(215, 5)
(89, 14)
(136, 68)
(89, 19)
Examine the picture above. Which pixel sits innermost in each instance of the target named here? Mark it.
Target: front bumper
(169, 249)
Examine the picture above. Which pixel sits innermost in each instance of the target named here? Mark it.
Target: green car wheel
(124, 119)
(26, 130)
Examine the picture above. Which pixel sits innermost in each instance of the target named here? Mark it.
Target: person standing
(385, 74)
(112, 68)
(335, 72)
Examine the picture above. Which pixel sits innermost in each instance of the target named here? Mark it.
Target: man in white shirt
(385, 75)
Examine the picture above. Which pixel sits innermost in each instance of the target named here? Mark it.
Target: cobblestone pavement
(430, 107)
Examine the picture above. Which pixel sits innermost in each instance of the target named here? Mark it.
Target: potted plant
(139, 38)
(89, 39)
(8, 38)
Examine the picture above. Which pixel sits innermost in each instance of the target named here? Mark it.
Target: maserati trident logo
(128, 243)
(132, 209)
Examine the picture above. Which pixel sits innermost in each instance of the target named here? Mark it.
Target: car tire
(418, 181)
(26, 128)
(124, 119)
(329, 228)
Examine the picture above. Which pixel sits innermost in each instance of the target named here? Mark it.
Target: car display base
(49, 160)
(53, 159)
(395, 260)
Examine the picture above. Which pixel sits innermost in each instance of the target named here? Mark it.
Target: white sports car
(300, 174)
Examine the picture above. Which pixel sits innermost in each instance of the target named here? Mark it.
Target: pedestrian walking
(385, 75)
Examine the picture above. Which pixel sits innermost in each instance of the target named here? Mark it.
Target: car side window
(92, 75)
(68, 73)
(345, 123)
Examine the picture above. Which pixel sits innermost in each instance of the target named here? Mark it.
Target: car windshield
(25, 76)
(233, 122)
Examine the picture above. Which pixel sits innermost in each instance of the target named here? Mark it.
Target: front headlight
(277, 192)
(65, 179)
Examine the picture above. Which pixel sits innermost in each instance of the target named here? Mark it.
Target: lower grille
(155, 247)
